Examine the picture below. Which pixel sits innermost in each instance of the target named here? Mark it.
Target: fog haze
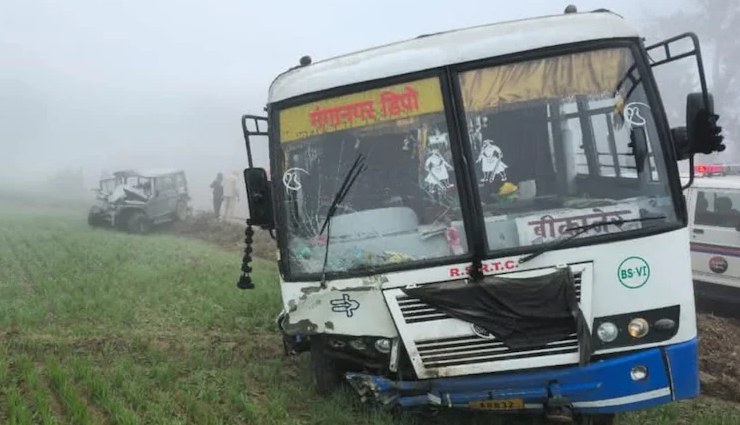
(120, 84)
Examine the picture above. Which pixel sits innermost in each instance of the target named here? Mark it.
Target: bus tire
(326, 375)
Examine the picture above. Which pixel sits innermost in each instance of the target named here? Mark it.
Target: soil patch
(228, 235)
(719, 356)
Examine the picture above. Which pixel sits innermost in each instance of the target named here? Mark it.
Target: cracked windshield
(564, 142)
(403, 207)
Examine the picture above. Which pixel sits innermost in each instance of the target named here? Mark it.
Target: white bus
(714, 224)
(487, 218)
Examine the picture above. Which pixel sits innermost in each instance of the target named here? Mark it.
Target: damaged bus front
(488, 218)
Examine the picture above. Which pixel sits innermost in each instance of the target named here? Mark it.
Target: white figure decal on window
(491, 159)
(437, 176)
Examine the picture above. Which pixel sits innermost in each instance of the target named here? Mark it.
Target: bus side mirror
(259, 198)
(703, 133)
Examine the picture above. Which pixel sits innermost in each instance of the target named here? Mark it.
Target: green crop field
(100, 327)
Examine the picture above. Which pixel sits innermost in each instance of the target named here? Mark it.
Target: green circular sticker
(633, 272)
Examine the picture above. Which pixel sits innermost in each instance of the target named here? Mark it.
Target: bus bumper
(601, 387)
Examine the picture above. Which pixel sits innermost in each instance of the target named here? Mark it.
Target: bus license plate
(510, 404)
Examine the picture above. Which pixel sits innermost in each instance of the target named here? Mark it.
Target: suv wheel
(326, 375)
(138, 223)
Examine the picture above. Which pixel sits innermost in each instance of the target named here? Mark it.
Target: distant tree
(715, 22)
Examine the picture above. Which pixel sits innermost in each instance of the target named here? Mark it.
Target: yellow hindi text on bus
(361, 109)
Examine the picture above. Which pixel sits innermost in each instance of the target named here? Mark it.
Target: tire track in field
(55, 403)
(38, 395)
(73, 406)
(15, 406)
(100, 396)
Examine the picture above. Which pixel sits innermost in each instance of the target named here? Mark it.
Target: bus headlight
(607, 332)
(635, 328)
(638, 328)
(665, 324)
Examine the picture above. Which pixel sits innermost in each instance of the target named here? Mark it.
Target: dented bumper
(602, 387)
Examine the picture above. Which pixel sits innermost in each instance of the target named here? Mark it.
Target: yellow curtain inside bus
(590, 73)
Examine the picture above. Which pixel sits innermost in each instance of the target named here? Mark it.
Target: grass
(101, 327)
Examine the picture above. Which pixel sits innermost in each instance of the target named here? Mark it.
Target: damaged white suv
(137, 200)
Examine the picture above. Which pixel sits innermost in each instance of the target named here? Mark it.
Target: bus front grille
(416, 311)
(472, 350)
(440, 345)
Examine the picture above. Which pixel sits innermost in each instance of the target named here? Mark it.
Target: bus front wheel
(326, 374)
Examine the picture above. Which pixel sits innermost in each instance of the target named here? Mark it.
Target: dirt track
(228, 235)
(719, 357)
(719, 338)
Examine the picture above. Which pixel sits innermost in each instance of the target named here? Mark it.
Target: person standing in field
(218, 193)
(231, 195)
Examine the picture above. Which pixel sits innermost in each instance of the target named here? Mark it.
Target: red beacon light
(706, 170)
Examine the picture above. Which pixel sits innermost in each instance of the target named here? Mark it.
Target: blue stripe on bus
(603, 386)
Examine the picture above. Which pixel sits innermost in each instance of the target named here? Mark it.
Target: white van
(714, 220)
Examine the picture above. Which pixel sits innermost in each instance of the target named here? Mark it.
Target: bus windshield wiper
(579, 230)
(357, 167)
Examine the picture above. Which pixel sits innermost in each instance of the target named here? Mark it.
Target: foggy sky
(116, 84)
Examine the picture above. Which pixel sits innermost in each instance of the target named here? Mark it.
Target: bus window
(717, 208)
(612, 153)
(400, 208)
(556, 148)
